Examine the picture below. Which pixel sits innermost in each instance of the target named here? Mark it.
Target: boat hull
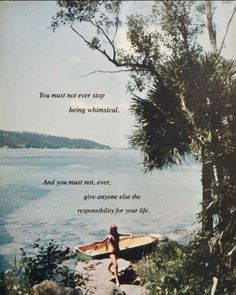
(131, 248)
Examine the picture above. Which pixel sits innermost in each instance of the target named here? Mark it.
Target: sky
(34, 59)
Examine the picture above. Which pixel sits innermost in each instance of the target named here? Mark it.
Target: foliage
(176, 269)
(148, 45)
(10, 284)
(202, 113)
(44, 263)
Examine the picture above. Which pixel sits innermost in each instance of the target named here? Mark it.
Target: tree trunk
(207, 169)
(211, 25)
(207, 177)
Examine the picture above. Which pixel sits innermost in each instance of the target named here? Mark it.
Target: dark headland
(13, 139)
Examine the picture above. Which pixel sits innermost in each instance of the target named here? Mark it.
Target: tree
(209, 134)
(190, 101)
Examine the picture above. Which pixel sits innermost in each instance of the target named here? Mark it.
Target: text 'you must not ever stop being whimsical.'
(80, 98)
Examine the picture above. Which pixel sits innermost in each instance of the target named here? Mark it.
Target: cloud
(73, 59)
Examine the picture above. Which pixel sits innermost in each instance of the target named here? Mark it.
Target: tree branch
(106, 36)
(131, 65)
(81, 36)
(116, 30)
(105, 72)
(226, 31)
(90, 44)
(213, 288)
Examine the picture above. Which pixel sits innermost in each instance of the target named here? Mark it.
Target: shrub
(43, 263)
(11, 285)
(176, 269)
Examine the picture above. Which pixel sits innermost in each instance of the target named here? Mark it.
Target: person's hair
(113, 230)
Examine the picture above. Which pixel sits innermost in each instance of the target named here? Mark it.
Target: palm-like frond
(163, 130)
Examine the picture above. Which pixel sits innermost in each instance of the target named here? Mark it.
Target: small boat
(131, 248)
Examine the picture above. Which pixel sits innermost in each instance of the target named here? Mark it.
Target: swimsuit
(115, 244)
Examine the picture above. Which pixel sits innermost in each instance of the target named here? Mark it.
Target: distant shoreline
(21, 140)
(62, 149)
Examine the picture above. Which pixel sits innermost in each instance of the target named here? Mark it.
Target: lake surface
(31, 209)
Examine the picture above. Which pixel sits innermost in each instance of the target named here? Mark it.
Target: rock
(51, 288)
(160, 237)
(133, 290)
(110, 289)
(104, 288)
(97, 270)
(98, 278)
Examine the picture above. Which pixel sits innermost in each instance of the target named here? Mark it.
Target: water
(30, 209)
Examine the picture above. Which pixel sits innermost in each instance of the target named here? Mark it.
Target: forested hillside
(35, 140)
